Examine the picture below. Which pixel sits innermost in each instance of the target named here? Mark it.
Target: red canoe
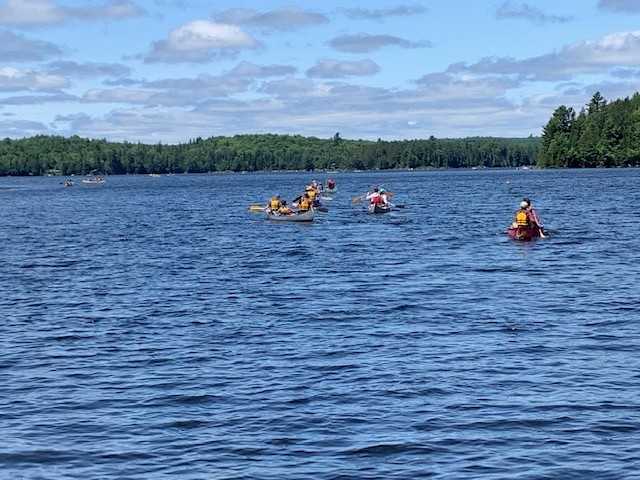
(525, 233)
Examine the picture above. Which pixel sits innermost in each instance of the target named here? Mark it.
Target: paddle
(356, 200)
(322, 209)
(542, 235)
(256, 208)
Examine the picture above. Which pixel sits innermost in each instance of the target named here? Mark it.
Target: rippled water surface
(156, 328)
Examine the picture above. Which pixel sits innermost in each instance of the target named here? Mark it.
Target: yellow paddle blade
(388, 194)
(256, 208)
(356, 200)
(542, 235)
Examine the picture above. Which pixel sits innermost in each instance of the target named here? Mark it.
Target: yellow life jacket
(522, 220)
(274, 204)
(312, 194)
(304, 203)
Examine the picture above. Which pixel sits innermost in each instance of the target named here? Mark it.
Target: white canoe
(306, 216)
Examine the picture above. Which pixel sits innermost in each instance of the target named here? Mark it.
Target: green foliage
(602, 135)
(54, 155)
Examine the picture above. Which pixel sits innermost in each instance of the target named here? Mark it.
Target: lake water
(156, 328)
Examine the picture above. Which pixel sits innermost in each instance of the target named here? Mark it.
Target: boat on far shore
(94, 181)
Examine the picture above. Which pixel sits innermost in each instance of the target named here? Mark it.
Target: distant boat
(93, 181)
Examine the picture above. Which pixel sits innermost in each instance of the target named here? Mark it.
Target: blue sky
(169, 71)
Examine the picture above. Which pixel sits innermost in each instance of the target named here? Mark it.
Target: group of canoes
(303, 206)
(525, 226)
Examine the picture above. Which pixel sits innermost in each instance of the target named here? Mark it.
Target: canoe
(93, 182)
(306, 216)
(524, 233)
(330, 190)
(373, 208)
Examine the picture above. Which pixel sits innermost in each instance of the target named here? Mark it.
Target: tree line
(602, 134)
(57, 155)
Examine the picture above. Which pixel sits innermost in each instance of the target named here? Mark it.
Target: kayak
(306, 216)
(524, 233)
(374, 208)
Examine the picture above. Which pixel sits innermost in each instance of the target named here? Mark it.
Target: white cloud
(17, 48)
(364, 42)
(88, 69)
(248, 69)
(117, 95)
(330, 68)
(528, 12)
(283, 18)
(16, 79)
(621, 49)
(34, 13)
(622, 6)
(384, 13)
(39, 99)
(201, 40)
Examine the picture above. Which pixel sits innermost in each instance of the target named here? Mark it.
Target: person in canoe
(377, 197)
(284, 208)
(331, 184)
(274, 204)
(385, 196)
(532, 213)
(313, 192)
(304, 202)
(526, 215)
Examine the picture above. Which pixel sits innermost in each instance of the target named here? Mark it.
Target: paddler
(274, 204)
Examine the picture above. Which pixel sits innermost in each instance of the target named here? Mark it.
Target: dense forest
(46, 155)
(601, 135)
